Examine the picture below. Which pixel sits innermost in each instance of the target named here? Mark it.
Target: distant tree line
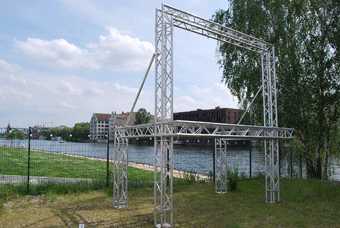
(79, 133)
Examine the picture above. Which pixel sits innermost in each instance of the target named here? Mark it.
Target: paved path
(14, 179)
(176, 173)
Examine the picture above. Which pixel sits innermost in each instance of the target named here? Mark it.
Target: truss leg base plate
(120, 206)
(164, 225)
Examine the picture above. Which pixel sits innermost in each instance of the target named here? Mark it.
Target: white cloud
(195, 2)
(115, 52)
(94, 91)
(66, 105)
(205, 98)
(9, 67)
(16, 78)
(57, 53)
(68, 88)
(19, 93)
(91, 45)
(126, 89)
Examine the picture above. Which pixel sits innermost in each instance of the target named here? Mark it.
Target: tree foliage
(80, 132)
(142, 116)
(16, 134)
(306, 37)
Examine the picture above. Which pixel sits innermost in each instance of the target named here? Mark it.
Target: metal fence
(27, 158)
(32, 157)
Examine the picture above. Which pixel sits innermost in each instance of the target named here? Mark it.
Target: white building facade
(102, 123)
(119, 120)
(99, 127)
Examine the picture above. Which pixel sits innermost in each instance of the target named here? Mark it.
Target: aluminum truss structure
(221, 172)
(188, 129)
(165, 129)
(120, 175)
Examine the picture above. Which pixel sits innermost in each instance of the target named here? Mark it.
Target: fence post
(291, 162)
(280, 152)
(29, 160)
(108, 159)
(301, 166)
(250, 171)
(214, 164)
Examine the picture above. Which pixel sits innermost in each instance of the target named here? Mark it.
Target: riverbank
(304, 203)
(176, 173)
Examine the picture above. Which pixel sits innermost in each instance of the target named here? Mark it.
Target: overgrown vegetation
(233, 178)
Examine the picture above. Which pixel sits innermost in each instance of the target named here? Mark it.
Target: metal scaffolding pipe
(140, 88)
(251, 103)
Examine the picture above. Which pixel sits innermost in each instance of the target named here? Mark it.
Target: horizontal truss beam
(216, 31)
(180, 128)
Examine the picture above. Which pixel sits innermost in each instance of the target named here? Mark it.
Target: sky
(61, 60)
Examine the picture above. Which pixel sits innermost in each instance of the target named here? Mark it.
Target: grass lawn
(304, 203)
(15, 162)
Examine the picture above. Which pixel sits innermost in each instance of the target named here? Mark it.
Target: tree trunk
(325, 162)
(318, 164)
(313, 168)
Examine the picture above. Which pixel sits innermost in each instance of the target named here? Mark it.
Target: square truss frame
(165, 129)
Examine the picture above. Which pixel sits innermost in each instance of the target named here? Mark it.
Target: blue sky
(61, 60)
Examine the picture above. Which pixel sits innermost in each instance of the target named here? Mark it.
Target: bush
(233, 178)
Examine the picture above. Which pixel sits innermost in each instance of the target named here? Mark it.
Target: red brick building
(217, 115)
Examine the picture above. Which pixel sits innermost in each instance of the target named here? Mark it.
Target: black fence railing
(28, 157)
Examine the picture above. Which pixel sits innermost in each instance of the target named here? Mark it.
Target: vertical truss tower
(271, 147)
(163, 202)
(164, 129)
(221, 169)
(120, 175)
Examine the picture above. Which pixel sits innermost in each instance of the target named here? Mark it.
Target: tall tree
(306, 39)
(142, 116)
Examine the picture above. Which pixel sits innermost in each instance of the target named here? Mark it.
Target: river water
(187, 158)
